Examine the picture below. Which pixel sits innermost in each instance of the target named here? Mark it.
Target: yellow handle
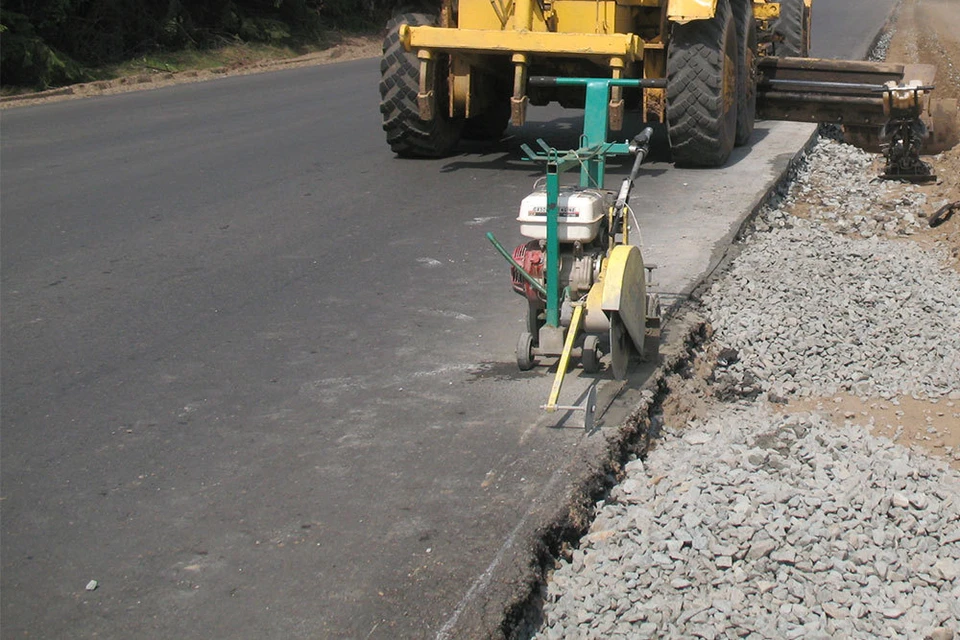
(564, 358)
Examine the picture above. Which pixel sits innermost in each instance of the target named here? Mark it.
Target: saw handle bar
(640, 146)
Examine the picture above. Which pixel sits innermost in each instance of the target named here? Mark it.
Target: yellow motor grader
(711, 67)
(465, 71)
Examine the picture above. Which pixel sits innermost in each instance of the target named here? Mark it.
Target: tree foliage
(51, 42)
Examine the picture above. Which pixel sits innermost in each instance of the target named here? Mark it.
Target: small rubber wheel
(525, 360)
(590, 355)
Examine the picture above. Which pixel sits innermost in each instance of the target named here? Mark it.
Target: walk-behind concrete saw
(585, 284)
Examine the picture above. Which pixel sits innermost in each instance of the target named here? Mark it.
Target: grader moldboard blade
(883, 107)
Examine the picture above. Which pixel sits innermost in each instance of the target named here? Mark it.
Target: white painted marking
(476, 222)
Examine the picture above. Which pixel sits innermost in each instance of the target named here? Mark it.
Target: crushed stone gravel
(844, 193)
(770, 527)
(748, 522)
(814, 313)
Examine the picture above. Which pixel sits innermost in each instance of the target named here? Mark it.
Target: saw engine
(583, 237)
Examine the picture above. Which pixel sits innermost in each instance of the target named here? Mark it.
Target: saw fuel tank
(579, 214)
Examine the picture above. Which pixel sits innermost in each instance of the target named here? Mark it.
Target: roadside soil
(350, 48)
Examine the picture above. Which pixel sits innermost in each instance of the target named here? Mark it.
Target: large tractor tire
(746, 26)
(701, 89)
(790, 30)
(407, 134)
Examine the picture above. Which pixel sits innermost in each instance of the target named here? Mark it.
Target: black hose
(943, 214)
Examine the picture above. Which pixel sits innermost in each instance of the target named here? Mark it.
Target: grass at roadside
(224, 59)
(228, 56)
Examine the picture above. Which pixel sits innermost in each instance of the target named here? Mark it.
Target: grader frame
(464, 73)
(710, 68)
(628, 37)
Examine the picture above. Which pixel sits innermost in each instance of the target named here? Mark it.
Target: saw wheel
(620, 347)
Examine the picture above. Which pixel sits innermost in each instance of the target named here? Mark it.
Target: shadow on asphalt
(562, 133)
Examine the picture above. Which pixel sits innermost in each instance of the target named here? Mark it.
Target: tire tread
(406, 133)
(698, 128)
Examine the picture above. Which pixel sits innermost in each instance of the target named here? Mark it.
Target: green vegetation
(50, 43)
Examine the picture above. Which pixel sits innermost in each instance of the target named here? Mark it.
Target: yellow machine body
(498, 38)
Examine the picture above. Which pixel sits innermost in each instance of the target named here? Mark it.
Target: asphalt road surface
(257, 374)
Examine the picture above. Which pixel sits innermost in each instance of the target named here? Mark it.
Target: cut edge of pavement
(505, 600)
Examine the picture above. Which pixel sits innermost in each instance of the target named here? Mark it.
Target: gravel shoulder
(805, 478)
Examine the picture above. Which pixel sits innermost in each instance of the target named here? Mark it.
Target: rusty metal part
(615, 118)
(903, 135)
(427, 97)
(654, 101)
(519, 99)
(903, 138)
(944, 213)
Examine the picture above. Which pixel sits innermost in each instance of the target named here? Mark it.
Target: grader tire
(701, 88)
(746, 26)
(407, 134)
(790, 30)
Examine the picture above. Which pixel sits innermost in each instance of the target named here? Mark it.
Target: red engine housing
(530, 257)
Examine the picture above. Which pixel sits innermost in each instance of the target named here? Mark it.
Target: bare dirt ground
(351, 48)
